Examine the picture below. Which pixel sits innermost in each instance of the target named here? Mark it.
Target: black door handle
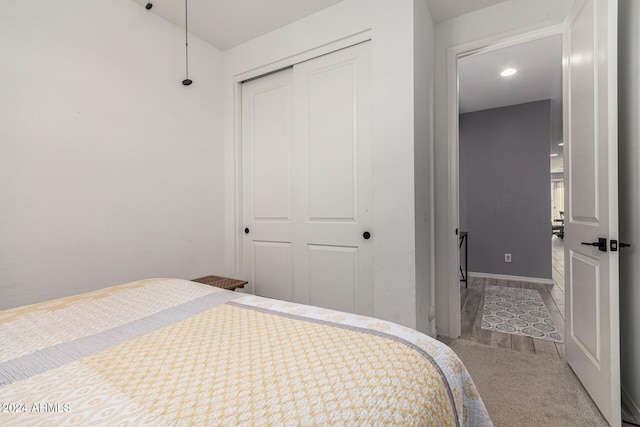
(366, 235)
(246, 230)
(614, 245)
(601, 244)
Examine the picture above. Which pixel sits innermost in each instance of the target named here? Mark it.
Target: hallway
(472, 305)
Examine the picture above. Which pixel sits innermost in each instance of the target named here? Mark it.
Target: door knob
(601, 244)
(366, 235)
(246, 230)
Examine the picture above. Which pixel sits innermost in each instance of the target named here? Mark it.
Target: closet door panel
(333, 184)
(271, 160)
(332, 142)
(338, 293)
(267, 144)
(272, 269)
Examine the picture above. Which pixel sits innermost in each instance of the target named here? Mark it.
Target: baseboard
(630, 405)
(512, 278)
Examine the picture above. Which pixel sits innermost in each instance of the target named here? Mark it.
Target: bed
(174, 352)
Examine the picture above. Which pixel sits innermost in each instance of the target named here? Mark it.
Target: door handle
(615, 245)
(601, 244)
(246, 230)
(366, 235)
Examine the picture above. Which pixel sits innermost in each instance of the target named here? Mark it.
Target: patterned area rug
(518, 311)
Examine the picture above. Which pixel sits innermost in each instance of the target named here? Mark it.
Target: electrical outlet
(507, 257)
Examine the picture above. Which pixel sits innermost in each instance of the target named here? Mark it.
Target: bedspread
(174, 352)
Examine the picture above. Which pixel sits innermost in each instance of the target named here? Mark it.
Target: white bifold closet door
(307, 182)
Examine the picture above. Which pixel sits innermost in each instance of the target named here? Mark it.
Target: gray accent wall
(629, 198)
(505, 195)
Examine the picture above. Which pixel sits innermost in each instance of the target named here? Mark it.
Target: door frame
(454, 54)
(238, 79)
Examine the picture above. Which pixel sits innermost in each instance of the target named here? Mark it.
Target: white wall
(629, 197)
(110, 169)
(391, 25)
(503, 20)
(557, 163)
(423, 161)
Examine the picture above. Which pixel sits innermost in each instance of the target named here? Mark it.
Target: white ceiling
(539, 65)
(228, 23)
(442, 10)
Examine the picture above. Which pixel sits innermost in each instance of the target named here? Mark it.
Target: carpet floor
(521, 389)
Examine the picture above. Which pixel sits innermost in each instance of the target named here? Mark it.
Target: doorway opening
(509, 157)
(589, 73)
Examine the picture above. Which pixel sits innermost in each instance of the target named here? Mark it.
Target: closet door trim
(343, 43)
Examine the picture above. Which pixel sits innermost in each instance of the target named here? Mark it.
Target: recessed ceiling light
(508, 72)
(554, 155)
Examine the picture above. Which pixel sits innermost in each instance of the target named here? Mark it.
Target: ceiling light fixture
(187, 81)
(508, 72)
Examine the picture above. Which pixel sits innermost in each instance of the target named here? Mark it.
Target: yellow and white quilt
(173, 352)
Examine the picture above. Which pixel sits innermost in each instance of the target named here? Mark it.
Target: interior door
(267, 132)
(333, 186)
(591, 208)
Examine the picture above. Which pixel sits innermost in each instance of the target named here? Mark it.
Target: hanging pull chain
(186, 81)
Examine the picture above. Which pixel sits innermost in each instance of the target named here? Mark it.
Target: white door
(267, 138)
(591, 207)
(307, 182)
(333, 186)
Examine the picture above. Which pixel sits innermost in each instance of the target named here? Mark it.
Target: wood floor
(472, 304)
(557, 257)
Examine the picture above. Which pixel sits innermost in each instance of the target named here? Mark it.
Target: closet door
(333, 181)
(267, 129)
